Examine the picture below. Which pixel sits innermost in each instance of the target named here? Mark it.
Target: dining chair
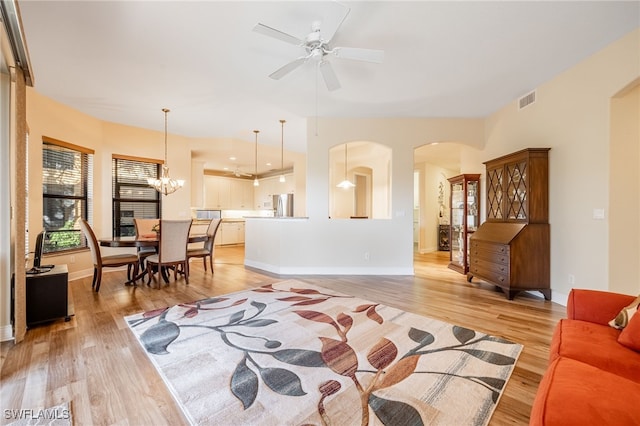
(111, 261)
(172, 249)
(144, 227)
(208, 248)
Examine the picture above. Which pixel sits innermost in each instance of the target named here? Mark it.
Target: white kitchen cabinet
(228, 194)
(231, 233)
(241, 194)
(217, 192)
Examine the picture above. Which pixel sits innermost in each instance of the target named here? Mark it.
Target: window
(67, 182)
(132, 195)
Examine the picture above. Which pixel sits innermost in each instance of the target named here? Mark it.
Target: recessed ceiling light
(232, 158)
(268, 164)
(225, 168)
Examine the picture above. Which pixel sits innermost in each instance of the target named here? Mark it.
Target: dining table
(145, 240)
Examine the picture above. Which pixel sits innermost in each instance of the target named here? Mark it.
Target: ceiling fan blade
(357, 54)
(329, 76)
(329, 37)
(272, 32)
(286, 69)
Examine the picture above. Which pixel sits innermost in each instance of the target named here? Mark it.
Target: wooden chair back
(92, 242)
(212, 230)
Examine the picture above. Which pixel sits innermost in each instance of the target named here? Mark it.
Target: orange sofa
(592, 378)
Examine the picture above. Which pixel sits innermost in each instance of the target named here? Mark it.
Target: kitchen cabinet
(217, 192)
(228, 194)
(241, 194)
(464, 210)
(512, 248)
(231, 232)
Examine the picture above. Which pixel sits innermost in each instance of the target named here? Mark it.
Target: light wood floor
(95, 362)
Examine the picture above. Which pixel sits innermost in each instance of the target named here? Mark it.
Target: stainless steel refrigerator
(283, 205)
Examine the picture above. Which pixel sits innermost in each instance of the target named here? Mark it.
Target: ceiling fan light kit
(318, 48)
(165, 184)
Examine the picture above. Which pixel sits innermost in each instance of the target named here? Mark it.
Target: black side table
(48, 296)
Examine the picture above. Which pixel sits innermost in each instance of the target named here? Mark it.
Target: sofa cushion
(573, 393)
(595, 306)
(630, 336)
(596, 345)
(622, 319)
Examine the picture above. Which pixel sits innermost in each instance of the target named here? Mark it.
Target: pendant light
(165, 184)
(255, 181)
(282, 178)
(345, 184)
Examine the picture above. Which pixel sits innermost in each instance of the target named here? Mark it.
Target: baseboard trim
(6, 333)
(320, 270)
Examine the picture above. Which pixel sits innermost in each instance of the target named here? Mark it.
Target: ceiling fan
(238, 173)
(317, 46)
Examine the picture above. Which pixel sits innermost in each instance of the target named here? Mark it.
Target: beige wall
(49, 118)
(429, 219)
(624, 187)
(572, 117)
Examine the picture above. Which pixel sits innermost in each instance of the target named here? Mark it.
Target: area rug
(296, 354)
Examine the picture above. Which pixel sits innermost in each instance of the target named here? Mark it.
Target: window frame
(85, 198)
(116, 224)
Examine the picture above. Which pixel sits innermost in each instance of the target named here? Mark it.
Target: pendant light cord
(282, 144)
(165, 110)
(345, 161)
(256, 155)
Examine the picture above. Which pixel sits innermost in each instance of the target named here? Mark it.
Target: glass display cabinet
(465, 209)
(512, 247)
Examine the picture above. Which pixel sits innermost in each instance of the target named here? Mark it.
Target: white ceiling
(123, 61)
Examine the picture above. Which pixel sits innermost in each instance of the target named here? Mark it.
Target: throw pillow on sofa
(622, 319)
(630, 335)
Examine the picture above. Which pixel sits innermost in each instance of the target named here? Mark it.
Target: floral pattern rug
(296, 354)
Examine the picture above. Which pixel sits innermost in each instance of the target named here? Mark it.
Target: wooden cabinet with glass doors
(465, 208)
(512, 248)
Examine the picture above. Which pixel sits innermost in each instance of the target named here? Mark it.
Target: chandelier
(165, 184)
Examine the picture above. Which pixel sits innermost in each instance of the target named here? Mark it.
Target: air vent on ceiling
(527, 100)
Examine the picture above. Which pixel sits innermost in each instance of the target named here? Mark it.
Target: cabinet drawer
(490, 247)
(492, 252)
(487, 265)
(489, 275)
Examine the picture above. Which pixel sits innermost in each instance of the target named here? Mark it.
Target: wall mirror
(360, 181)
